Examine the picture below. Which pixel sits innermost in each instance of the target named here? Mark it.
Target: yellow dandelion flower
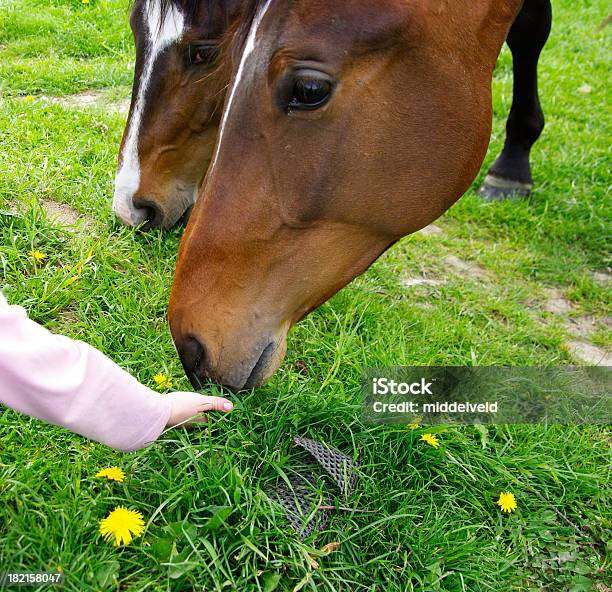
(38, 256)
(162, 381)
(415, 424)
(28, 99)
(431, 439)
(112, 474)
(123, 525)
(85, 1)
(507, 502)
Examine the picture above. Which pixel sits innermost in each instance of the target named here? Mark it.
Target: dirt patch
(88, 99)
(410, 282)
(602, 277)
(431, 230)
(11, 208)
(581, 328)
(68, 317)
(556, 303)
(589, 353)
(59, 212)
(461, 267)
(81, 100)
(121, 106)
(586, 326)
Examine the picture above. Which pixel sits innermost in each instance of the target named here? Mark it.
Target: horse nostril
(192, 357)
(154, 217)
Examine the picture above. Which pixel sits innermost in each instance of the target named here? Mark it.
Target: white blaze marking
(159, 36)
(249, 47)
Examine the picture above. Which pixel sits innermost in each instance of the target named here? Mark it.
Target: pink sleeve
(73, 385)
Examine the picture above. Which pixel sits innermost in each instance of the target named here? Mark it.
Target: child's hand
(187, 405)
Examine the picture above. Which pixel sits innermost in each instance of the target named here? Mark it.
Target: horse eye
(202, 54)
(309, 93)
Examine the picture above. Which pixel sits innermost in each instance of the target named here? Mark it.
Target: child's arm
(71, 384)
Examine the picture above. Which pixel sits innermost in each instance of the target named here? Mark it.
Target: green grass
(434, 524)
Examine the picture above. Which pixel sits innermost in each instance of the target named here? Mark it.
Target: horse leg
(510, 175)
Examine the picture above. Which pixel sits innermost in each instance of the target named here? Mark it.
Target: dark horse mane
(235, 36)
(238, 38)
(190, 8)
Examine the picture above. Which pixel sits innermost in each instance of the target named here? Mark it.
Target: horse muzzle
(154, 209)
(237, 364)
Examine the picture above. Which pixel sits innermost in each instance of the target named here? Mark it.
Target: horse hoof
(498, 189)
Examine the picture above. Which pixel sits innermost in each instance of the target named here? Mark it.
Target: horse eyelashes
(203, 54)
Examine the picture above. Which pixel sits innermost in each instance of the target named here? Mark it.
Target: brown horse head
(348, 125)
(177, 98)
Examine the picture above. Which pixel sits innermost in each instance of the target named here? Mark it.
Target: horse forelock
(164, 9)
(239, 37)
(235, 36)
(190, 8)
